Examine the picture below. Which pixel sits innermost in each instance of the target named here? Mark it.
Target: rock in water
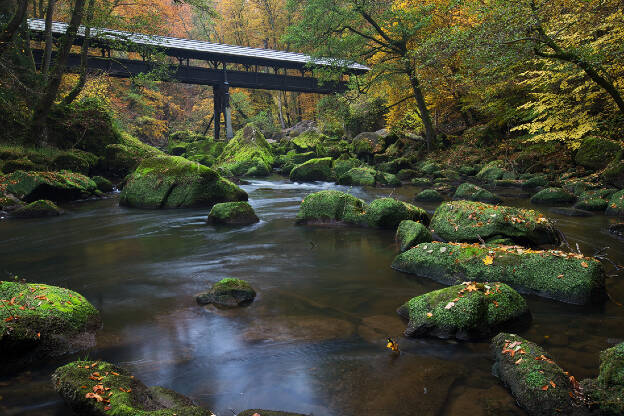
(360, 176)
(566, 277)
(411, 233)
(553, 197)
(312, 170)
(607, 391)
(55, 186)
(470, 192)
(468, 311)
(466, 221)
(38, 209)
(174, 182)
(616, 204)
(228, 292)
(389, 212)
(247, 154)
(537, 383)
(39, 321)
(429, 195)
(98, 388)
(232, 213)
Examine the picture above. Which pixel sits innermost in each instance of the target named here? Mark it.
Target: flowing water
(314, 339)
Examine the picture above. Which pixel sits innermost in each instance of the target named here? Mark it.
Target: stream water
(314, 339)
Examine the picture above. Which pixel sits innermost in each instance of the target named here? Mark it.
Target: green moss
(124, 395)
(467, 221)
(535, 181)
(616, 204)
(467, 311)
(429, 195)
(613, 174)
(411, 233)
(103, 184)
(56, 186)
(552, 274)
(312, 170)
(362, 176)
(232, 213)
(37, 209)
(20, 164)
(228, 292)
(387, 179)
(72, 162)
(592, 204)
(309, 141)
(389, 212)
(421, 181)
(553, 196)
(342, 166)
(596, 153)
(174, 182)
(331, 206)
(470, 192)
(248, 153)
(607, 391)
(493, 171)
(429, 167)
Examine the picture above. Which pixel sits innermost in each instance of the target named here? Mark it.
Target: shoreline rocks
(38, 209)
(553, 274)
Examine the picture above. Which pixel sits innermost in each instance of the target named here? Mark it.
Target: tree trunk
(84, 54)
(423, 110)
(47, 53)
(279, 110)
(7, 34)
(38, 133)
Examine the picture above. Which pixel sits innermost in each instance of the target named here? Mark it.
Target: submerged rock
(98, 388)
(467, 221)
(553, 196)
(38, 209)
(54, 186)
(174, 182)
(411, 233)
(228, 292)
(606, 393)
(537, 383)
(233, 213)
(39, 321)
(571, 212)
(566, 277)
(312, 170)
(470, 192)
(468, 311)
(247, 153)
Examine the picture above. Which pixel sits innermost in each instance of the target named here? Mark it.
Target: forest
(311, 207)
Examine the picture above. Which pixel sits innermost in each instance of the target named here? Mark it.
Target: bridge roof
(198, 49)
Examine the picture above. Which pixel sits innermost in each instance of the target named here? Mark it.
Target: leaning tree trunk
(423, 110)
(38, 132)
(84, 54)
(47, 53)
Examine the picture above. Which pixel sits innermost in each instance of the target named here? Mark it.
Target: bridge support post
(227, 112)
(217, 99)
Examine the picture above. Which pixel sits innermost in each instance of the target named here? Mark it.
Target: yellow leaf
(488, 260)
(584, 264)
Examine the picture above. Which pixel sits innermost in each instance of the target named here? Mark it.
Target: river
(314, 339)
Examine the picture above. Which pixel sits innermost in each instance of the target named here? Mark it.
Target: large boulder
(494, 171)
(360, 176)
(596, 153)
(470, 192)
(411, 233)
(232, 213)
(309, 141)
(467, 221)
(467, 311)
(537, 383)
(330, 207)
(565, 277)
(54, 186)
(553, 197)
(38, 322)
(103, 184)
(38, 209)
(367, 144)
(613, 174)
(247, 154)
(343, 165)
(389, 212)
(606, 393)
(312, 170)
(228, 292)
(174, 182)
(98, 388)
(616, 204)
(429, 195)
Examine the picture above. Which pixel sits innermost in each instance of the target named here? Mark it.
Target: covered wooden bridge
(199, 62)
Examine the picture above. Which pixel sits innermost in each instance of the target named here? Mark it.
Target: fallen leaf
(94, 396)
(488, 260)
(584, 264)
(545, 387)
(552, 383)
(429, 314)
(449, 305)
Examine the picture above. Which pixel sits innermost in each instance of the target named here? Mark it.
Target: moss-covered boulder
(232, 213)
(73, 162)
(362, 176)
(411, 233)
(385, 179)
(367, 143)
(613, 174)
(421, 181)
(312, 170)
(534, 182)
(247, 154)
(389, 212)
(343, 165)
(470, 192)
(616, 204)
(38, 209)
(469, 311)
(262, 412)
(330, 207)
(553, 274)
(553, 197)
(537, 383)
(596, 153)
(493, 171)
(468, 221)
(103, 184)
(228, 292)
(39, 321)
(429, 167)
(617, 229)
(20, 164)
(429, 195)
(174, 182)
(55, 186)
(606, 393)
(98, 388)
(309, 141)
